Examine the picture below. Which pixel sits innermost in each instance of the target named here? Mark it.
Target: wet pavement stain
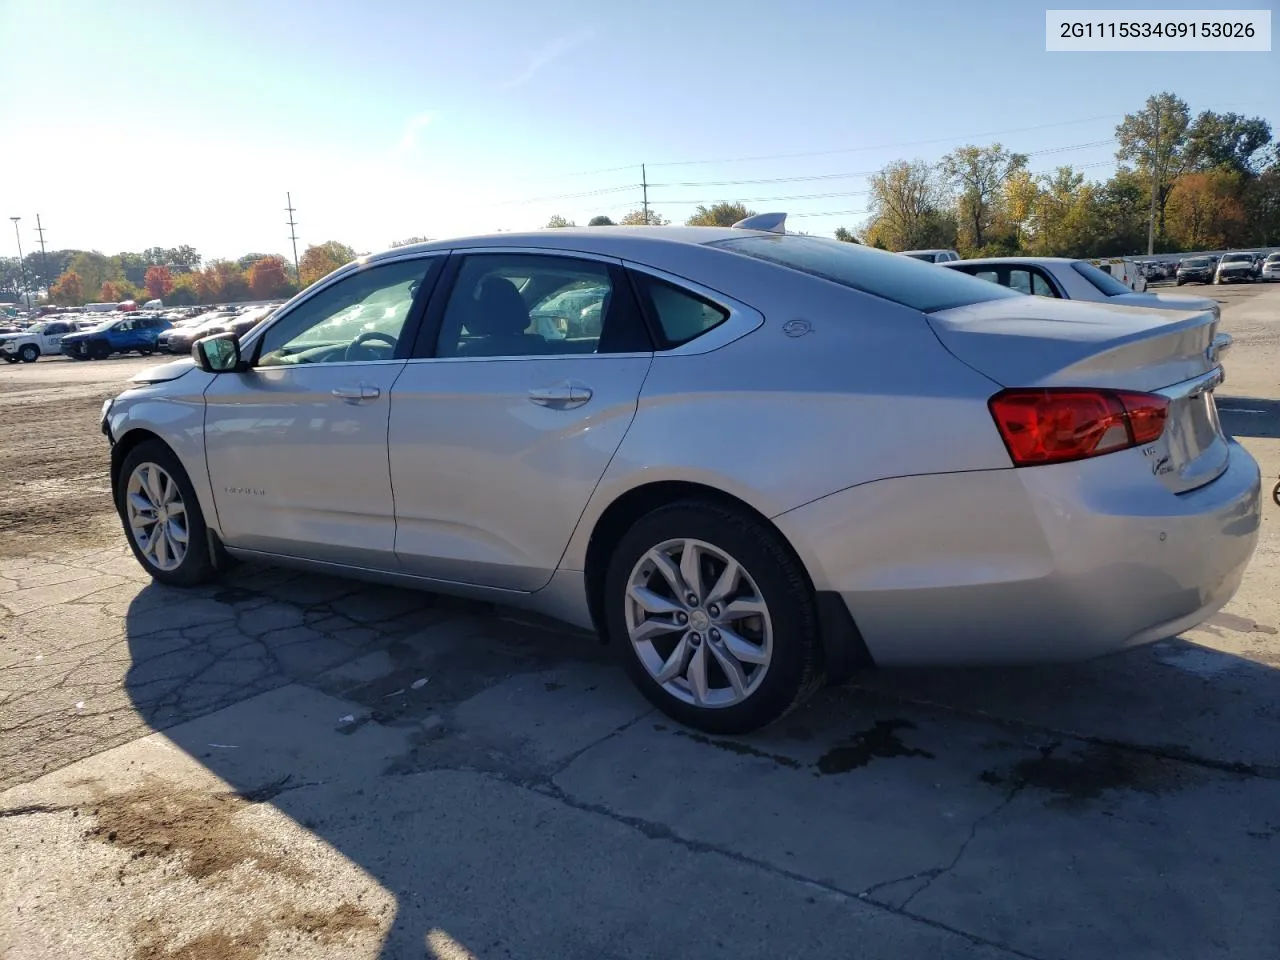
(742, 749)
(879, 742)
(1089, 772)
(1240, 624)
(232, 596)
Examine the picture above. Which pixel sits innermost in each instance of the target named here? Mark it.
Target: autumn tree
(68, 290)
(639, 218)
(185, 290)
(600, 221)
(978, 174)
(159, 282)
(557, 221)
(322, 259)
(908, 208)
(94, 269)
(268, 278)
(719, 215)
(116, 291)
(1205, 212)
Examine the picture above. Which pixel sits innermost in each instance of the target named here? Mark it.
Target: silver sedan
(774, 460)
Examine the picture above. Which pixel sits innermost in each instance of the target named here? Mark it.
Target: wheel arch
(197, 473)
(842, 647)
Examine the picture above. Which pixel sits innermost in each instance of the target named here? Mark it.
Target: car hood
(1235, 266)
(81, 335)
(164, 372)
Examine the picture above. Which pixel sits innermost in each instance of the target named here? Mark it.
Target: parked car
(1195, 270)
(781, 458)
(1234, 268)
(115, 336)
(1066, 279)
(1270, 267)
(932, 256)
(180, 338)
(37, 340)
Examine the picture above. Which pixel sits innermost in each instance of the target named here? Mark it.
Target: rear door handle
(561, 396)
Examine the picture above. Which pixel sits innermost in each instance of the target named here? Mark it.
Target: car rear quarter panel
(779, 420)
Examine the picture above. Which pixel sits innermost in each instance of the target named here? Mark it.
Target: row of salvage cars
(776, 459)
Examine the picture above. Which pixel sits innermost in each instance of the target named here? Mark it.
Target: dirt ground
(53, 461)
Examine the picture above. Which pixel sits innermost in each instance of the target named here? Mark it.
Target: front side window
(902, 280)
(529, 305)
(359, 318)
(1104, 282)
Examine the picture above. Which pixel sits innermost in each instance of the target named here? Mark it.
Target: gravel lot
(288, 764)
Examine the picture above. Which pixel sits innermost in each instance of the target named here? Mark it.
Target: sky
(135, 123)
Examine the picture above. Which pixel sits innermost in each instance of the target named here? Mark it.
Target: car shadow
(1249, 416)
(494, 774)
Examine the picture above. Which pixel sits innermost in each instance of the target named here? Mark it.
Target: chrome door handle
(561, 396)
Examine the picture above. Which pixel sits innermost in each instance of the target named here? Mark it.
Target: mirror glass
(221, 354)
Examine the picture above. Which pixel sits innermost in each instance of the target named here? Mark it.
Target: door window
(529, 305)
(1020, 280)
(360, 317)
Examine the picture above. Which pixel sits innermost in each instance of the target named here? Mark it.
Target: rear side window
(680, 315)
(1105, 282)
(920, 286)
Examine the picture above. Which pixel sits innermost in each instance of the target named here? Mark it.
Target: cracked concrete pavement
(285, 763)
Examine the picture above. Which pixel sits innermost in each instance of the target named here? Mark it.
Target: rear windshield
(921, 286)
(1104, 281)
(1236, 258)
(1195, 262)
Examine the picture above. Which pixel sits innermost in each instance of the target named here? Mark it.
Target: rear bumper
(1042, 564)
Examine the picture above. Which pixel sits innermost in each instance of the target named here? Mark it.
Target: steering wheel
(355, 347)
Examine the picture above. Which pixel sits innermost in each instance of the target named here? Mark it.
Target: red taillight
(1057, 424)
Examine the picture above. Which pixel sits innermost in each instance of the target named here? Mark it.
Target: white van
(1124, 269)
(100, 307)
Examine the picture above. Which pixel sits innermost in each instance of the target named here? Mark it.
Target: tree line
(1216, 179)
(177, 275)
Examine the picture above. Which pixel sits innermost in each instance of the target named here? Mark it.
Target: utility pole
(22, 267)
(1155, 186)
(293, 236)
(44, 257)
(644, 185)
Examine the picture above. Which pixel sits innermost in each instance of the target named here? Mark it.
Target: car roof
(621, 242)
(999, 260)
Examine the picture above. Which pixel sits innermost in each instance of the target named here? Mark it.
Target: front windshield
(37, 328)
(1102, 280)
(1236, 258)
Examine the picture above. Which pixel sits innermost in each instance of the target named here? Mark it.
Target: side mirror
(217, 354)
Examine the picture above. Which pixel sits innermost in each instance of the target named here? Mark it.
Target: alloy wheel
(698, 623)
(157, 516)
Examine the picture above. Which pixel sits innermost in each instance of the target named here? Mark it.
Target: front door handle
(354, 393)
(560, 396)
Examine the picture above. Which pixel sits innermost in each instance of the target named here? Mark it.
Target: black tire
(198, 565)
(99, 350)
(29, 353)
(11, 359)
(794, 671)
(145, 351)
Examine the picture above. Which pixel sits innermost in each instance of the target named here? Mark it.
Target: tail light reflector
(1058, 424)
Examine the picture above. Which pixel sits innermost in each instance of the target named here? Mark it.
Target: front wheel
(162, 517)
(714, 617)
(99, 351)
(29, 353)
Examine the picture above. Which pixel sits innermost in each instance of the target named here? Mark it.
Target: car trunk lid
(1038, 342)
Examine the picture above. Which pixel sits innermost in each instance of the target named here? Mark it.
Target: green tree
(719, 215)
(1226, 141)
(95, 269)
(638, 218)
(1155, 140)
(1262, 206)
(559, 221)
(846, 235)
(978, 174)
(320, 260)
(600, 221)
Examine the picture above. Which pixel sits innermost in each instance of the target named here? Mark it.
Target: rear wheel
(99, 350)
(29, 353)
(714, 617)
(162, 517)
(145, 351)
